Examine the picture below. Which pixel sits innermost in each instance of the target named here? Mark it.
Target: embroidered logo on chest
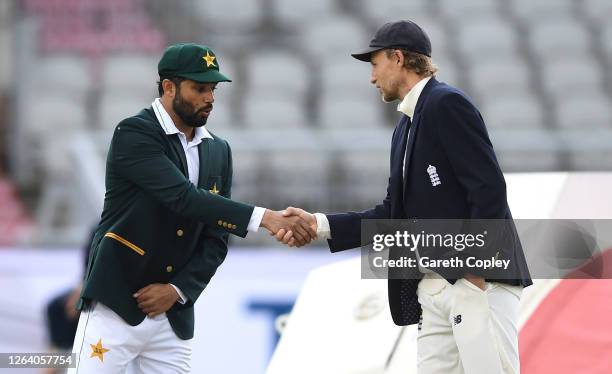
(433, 176)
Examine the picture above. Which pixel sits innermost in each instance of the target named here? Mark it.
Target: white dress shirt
(407, 106)
(193, 162)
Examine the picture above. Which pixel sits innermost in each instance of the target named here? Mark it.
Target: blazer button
(169, 269)
(234, 227)
(179, 232)
(224, 224)
(220, 223)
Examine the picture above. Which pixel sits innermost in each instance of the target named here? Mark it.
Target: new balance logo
(457, 319)
(433, 175)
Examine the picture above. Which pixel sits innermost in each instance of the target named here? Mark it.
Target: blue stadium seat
(532, 12)
(597, 11)
(350, 112)
(487, 38)
(572, 77)
(229, 16)
(505, 76)
(275, 111)
(552, 39)
(381, 11)
(466, 10)
(276, 72)
(300, 13)
(131, 74)
(63, 74)
(584, 112)
(113, 107)
(333, 37)
(512, 111)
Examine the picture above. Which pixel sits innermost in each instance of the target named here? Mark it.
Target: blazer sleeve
(464, 138)
(210, 253)
(137, 155)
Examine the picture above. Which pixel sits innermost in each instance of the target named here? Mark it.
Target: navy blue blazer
(448, 132)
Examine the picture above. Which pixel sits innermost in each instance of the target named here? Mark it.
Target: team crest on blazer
(433, 176)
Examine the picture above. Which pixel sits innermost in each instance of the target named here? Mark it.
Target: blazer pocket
(214, 184)
(125, 242)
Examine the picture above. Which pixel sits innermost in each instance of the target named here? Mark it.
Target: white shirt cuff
(256, 218)
(323, 230)
(182, 299)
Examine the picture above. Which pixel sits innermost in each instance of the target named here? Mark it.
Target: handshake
(293, 226)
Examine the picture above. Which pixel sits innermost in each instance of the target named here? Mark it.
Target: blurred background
(306, 127)
(70, 70)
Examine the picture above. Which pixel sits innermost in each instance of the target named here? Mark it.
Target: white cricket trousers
(106, 344)
(465, 330)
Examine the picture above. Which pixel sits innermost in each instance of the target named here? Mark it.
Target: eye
(204, 89)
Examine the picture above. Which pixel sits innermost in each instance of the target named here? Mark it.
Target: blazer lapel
(180, 152)
(415, 126)
(409, 146)
(204, 152)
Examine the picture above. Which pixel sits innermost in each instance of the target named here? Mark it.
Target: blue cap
(402, 35)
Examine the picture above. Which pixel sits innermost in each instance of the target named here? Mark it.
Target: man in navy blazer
(442, 166)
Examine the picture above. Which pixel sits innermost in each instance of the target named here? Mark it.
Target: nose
(209, 98)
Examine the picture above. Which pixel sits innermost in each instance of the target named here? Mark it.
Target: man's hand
(301, 230)
(287, 236)
(156, 298)
(70, 305)
(476, 281)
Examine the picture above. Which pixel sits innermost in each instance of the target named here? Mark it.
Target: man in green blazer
(165, 225)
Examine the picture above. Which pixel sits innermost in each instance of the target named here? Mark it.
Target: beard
(387, 98)
(187, 113)
(391, 93)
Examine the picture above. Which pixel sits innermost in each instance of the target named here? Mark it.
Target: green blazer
(156, 226)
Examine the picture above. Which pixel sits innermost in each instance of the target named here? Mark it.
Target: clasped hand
(292, 226)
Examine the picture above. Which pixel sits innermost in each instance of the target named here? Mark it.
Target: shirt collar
(409, 103)
(169, 127)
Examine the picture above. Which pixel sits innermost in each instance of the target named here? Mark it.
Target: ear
(169, 88)
(400, 57)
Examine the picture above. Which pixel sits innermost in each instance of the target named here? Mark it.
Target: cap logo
(210, 60)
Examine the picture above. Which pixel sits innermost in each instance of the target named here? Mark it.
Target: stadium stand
(577, 75)
(130, 74)
(552, 39)
(293, 78)
(229, 16)
(532, 12)
(489, 37)
(378, 12)
(597, 11)
(298, 14)
(513, 110)
(273, 111)
(468, 10)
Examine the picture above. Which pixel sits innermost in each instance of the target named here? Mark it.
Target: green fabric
(156, 226)
(192, 61)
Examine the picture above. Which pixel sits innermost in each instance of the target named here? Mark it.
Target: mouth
(205, 112)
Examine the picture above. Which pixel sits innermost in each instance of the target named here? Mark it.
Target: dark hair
(176, 80)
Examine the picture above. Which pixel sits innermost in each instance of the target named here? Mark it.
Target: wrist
(174, 292)
(265, 220)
